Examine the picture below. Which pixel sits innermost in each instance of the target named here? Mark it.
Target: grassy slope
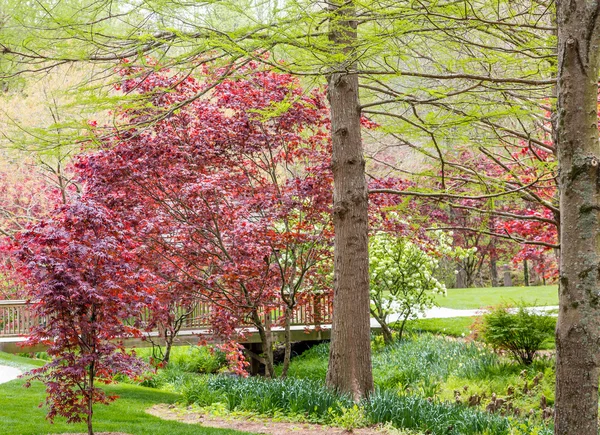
(21, 414)
(474, 298)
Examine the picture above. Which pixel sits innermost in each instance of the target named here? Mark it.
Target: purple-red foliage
(83, 283)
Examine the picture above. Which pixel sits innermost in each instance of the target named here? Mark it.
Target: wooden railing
(17, 318)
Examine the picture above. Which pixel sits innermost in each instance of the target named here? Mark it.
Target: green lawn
(474, 298)
(20, 414)
(452, 326)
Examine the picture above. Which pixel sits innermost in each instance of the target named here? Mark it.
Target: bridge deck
(310, 322)
(16, 344)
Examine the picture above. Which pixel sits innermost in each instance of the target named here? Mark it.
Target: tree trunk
(526, 273)
(264, 332)
(461, 278)
(288, 341)
(350, 353)
(494, 271)
(388, 337)
(578, 328)
(402, 325)
(90, 404)
(507, 278)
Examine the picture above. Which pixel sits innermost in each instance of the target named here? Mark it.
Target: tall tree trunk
(526, 273)
(350, 353)
(578, 328)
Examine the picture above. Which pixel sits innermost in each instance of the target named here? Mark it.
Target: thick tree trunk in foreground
(350, 355)
(577, 332)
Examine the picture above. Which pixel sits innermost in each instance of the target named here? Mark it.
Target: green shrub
(522, 333)
(198, 359)
(350, 418)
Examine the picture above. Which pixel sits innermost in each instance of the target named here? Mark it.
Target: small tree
(82, 282)
(402, 281)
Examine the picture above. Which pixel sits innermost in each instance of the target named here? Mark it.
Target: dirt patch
(262, 426)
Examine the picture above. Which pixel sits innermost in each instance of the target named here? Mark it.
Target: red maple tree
(230, 194)
(83, 282)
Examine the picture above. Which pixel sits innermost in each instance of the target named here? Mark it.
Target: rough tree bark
(578, 328)
(350, 355)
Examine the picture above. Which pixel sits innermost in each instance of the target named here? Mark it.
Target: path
(8, 373)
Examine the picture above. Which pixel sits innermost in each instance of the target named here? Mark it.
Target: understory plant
(519, 331)
(84, 281)
(402, 281)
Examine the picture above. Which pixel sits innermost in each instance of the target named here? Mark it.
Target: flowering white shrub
(402, 281)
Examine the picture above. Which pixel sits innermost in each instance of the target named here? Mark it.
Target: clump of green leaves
(402, 281)
(519, 331)
(350, 418)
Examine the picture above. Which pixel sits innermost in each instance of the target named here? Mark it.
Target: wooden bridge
(311, 321)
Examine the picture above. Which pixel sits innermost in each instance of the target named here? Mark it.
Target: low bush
(198, 359)
(522, 332)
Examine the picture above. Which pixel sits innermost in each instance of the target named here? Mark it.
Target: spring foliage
(402, 279)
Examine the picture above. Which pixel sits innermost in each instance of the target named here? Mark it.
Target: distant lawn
(474, 298)
(21, 415)
(453, 326)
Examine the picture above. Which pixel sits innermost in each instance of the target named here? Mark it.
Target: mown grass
(477, 298)
(21, 414)
(451, 326)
